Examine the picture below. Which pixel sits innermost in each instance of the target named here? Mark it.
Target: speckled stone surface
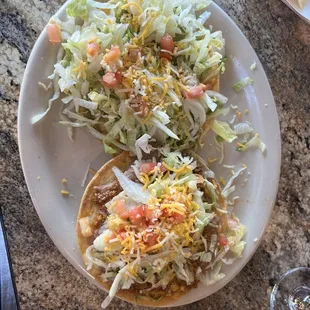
(45, 280)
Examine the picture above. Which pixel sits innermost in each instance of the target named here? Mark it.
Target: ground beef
(198, 170)
(136, 287)
(104, 193)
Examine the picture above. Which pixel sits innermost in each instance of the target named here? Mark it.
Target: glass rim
(276, 286)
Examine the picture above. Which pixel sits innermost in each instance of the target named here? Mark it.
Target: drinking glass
(292, 292)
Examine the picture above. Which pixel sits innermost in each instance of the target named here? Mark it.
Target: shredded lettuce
(230, 181)
(242, 84)
(222, 99)
(253, 66)
(164, 128)
(148, 209)
(212, 275)
(142, 144)
(55, 78)
(210, 103)
(253, 142)
(224, 131)
(109, 150)
(242, 128)
(235, 243)
(256, 142)
(78, 8)
(114, 112)
(131, 188)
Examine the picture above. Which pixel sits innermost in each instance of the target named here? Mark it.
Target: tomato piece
(177, 217)
(136, 215)
(93, 49)
(124, 216)
(162, 168)
(167, 43)
(119, 206)
(53, 33)
(123, 235)
(194, 92)
(222, 240)
(118, 76)
(165, 55)
(112, 55)
(151, 239)
(147, 167)
(109, 80)
(150, 214)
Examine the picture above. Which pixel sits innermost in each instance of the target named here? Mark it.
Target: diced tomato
(222, 240)
(165, 55)
(150, 214)
(53, 33)
(109, 80)
(207, 86)
(123, 235)
(166, 43)
(119, 206)
(162, 168)
(136, 215)
(177, 217)
(118, 76)
(151, 239)
(124, 215)
(93, 49)
(140, 215)
(147, 167)
(112, 55)
(194, 92)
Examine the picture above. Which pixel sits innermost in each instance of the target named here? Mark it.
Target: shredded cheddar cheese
(241, 145)
(147, 117)
(212, 160)
(166, 87)
(239, 114)
(222, 181)
(133, 4)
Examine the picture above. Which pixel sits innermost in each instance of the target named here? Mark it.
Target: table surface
(45, 280)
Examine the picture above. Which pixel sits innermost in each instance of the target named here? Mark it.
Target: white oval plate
(48, 155)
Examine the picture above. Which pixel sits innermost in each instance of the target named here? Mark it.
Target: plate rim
(62, 250)
(304, 18)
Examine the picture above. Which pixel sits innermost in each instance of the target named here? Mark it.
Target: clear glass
(292, 292)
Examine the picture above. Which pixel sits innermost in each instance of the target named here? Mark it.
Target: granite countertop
(45, 280)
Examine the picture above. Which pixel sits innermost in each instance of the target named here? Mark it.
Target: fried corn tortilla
(101, 189)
